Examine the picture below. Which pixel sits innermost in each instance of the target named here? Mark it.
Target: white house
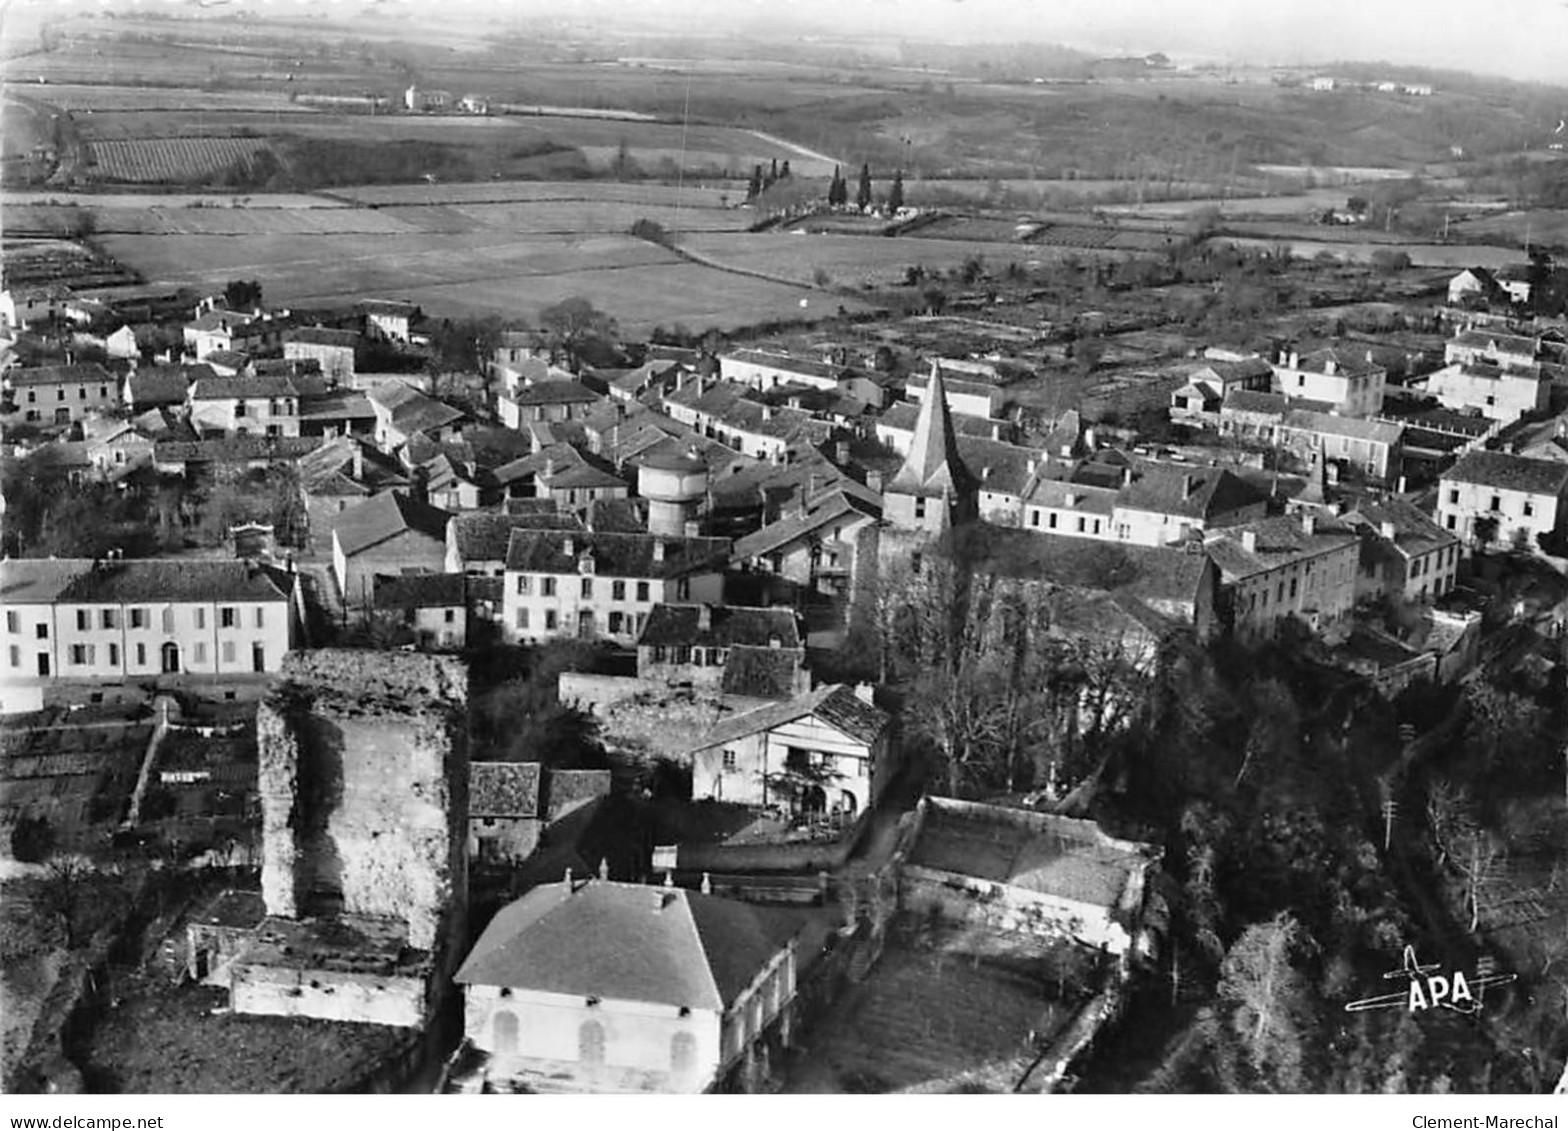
(1518, 498)
(78, 621)
(263, 406)
(62, 394)
(1347, 380)
(1299, 565)
(1502, 393)
(603, 987)
(823, 751)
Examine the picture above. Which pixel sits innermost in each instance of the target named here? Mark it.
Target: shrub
(32, 840)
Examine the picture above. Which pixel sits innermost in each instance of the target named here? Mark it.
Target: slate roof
(618, 516)
(1191, 492)
(999, 467)
(1250, 400)
(1414, 531)
(338, 406)
(834, 704)
(727, 625)
(836, 507)
(1060, 495)
(933, 465)
(1281, 539)
(155, 579)
(901, 417)
(385, 516)
(419, 591)
(1347, 362)
(586, 476)
(329, 469)
(1509, 472)
(630, 942)
(481, 536)
(614, 555)
(761, 673)
(503, 789)
(1503, 343)
(81, 373)
(1235, 372)
(410, 410)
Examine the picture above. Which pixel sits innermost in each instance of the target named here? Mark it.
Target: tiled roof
(37, 581)
(1281, 539)
(1501, 343)
(322, 336)
(554, 392)
(1193, 492)
(584, 475)
(1509, 472)
(338, 406)
(235, 449)
(834, 704)
(1414, 531)
(1327, 424)
(614, 555)
(553, 459)
(419, 591)
(1000, 468)
(220, 320)
(229, 359)
(1347, 362)
(901, 417)
(1061, 495)
(1235, 372)
(727, 625)
(335, 458)
(762, 673)
(164, 384)
(629, 942)
(503, 789)
(618, 516)
(385, 516)
(242, 388)
(82, 373)
(155, 579)
(1152, 573)
(386, 307)
(410, 410)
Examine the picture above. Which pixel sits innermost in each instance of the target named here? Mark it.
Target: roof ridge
(702, 948)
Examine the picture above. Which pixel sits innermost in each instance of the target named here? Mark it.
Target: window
(141, 655)
(83, 654)
(1450, 522)
(201, 653)
(1080, 524)
(682, 654)
(616, 620)
(1453, 495)
(549, 620)
(642, 590)
(618, 590)
(587, 587)
(13, 623)
(42, 632)
(524, 585)
(168, 620)
(114, 655)
(1497, 503)
(590, 1043)
(138, 618)
(1529, 508)
(683, 589)
(16, 656)
(920, 506)
(201, 617)
(714, 659)
(683, 1053)
(451, 616)
(1034, 518)
(1051, 522)
(547, 586)
(261, 617)
(83, 620)
(239, 408)
(228, 651)
(522, 618)
(729, 759)
(228, 616)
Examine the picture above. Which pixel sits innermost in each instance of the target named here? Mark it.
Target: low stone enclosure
(363, 783)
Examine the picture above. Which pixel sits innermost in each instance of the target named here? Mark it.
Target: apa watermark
(1429, 986)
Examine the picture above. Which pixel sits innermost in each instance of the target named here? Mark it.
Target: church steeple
(933, 490)
(933, 465)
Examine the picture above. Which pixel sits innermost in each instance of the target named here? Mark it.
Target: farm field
(272, 200)
(861, 260)
(162, 160)
(101, 96)
(506, 192)
(1541, 226)
(1421, 254)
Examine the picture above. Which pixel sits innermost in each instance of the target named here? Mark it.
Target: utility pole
(1390, 811)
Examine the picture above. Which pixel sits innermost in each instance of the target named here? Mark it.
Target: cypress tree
(895, 195)
(863, 193)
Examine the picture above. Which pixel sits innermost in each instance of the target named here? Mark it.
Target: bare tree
(1465, 847)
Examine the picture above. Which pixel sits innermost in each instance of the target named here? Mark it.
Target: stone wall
(363, 782)
(644, 721)
(328, 995)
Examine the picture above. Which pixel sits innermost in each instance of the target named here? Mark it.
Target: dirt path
(793, 148)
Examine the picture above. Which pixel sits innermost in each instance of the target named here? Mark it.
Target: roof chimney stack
(1309, 523)
(1386, 528)
(704, 618)
(569, 546)
(1249, 541)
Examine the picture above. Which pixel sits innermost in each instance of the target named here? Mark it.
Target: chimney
(569, 546)
(841, 452)
(1386, 528)
(707, 884)
(568, 877)
(658, 549)
(359, 462)
(1072, 498)
(1400, 488)
(692, 529)
(1187, 486)
(1126, 477)
(866, 693)
(1249, 541)
(1309, 523)
(1330, 366)
(767, 412)
(775, 642)
(1033, 465)
(985, 474)
(704, 618)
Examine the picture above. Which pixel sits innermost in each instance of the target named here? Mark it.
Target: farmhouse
(403, 412)
(434, 605)
(822, 547)
(1515, 351)
(1404, 554)
(222, 331)
(388, 320)
(546, 401)
(1164, 503)
(61, 394)
(1502, 393)
(27, 306)
(267, 406)
(476, 542)
(1371, 447)
(825, 750)
(603, 987)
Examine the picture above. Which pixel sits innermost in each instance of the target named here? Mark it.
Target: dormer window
(239, 408)
(585, 564)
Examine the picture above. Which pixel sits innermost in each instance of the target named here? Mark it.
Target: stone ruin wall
(363, 780)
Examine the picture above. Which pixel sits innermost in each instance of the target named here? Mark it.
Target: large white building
(78, 621)
(1493, 497)
(62, 394)
(1347, 381)
(595, 585)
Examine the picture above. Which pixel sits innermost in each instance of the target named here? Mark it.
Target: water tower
(675, 485)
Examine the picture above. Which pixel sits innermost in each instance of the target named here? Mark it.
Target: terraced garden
(173, 159)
